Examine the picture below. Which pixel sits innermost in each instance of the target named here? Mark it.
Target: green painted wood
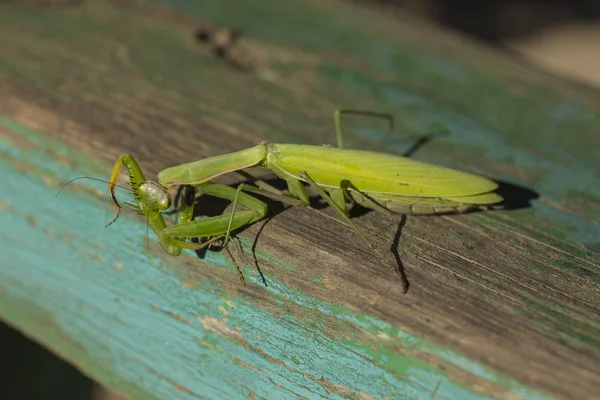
(502, 304)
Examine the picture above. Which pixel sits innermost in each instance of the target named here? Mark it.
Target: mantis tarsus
(375, 180)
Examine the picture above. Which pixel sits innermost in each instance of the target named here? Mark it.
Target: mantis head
(153, 196)
(150, 197)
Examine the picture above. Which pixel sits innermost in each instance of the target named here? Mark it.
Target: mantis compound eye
(153, 196)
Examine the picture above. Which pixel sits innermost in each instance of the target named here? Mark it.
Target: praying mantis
(374, 180)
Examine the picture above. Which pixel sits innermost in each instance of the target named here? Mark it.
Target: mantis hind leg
(343, 212)
(337, 121)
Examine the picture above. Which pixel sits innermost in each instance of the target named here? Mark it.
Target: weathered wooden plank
(502, 304)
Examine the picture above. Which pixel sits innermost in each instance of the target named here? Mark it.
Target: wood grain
(502, 304)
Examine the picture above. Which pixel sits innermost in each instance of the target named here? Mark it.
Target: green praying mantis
(374, 180)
